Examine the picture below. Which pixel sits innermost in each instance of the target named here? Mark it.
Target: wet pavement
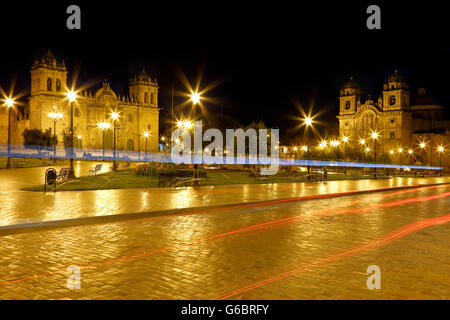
(296, 250)
(20, 207)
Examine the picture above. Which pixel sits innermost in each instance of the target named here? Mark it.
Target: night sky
(265, 55)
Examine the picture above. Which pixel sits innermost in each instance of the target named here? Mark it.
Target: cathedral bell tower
(349, 97)
(143, 90)
(395, 93)
(48, 88)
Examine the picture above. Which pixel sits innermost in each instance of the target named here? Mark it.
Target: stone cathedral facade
(400, 120)
(138, 110)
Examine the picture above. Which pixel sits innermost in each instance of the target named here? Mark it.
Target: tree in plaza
(36, 139)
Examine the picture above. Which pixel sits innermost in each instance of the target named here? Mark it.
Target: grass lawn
(125, 179)
(34, 162)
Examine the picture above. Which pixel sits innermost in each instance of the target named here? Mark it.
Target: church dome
(351, 86)
(395, 81)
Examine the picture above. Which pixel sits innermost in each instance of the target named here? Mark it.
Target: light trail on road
(390, 237)
(262, 226)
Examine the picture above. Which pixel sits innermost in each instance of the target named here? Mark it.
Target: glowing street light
(146, 135)
(115, 117)
(400, 150)
(305, 148)
(9, 102)
(374, 136)
(345, 140)
(308, 121)
(367, 149)
(391, 152)
(195, 97)
(72, 97)
(440, 149)
(362, 141)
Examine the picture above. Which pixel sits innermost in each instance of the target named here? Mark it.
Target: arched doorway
(130, 145)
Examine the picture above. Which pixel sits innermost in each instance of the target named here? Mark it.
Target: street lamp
(55, 116)
(440, 150)
(146, 140)
(9, 104)
(103, 126)
(307, 121)
(195, 97)
(114, 116)
(400, 150)
(375, 137)
(72, 97)
(422, 147)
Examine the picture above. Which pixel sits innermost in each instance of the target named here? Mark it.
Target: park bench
(62, 175)
(18, 163)
(95, 170)
(114, 167)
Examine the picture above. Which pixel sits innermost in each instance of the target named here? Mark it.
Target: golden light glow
(71, 95)
(186, 124)
(345, 138)
(305, 148)
(284, 149)
(391, 152)
(177, 140)
(410, 151)
(400, 150)
(323, 144)
(422, 145)
(362, 141)
(104, 125)
(79, 137)
(146, 134)
(55, 115)
(9, 102)
(163, 138)
(308, 121)
(195, 97)
(295, 148)
(367, 149)
(440, 148)
(374, 135)
(114, 115)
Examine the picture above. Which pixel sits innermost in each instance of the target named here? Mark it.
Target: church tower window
(152, 98)
(58, 85)
(49, 84)
(392, 100)
(347, 105)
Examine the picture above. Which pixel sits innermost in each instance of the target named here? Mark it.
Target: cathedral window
(49, 84)
(58, 85)
(392, 135)
(149, 127)
(347, 105)
(145, 97)
(392, 100)
(152, 98)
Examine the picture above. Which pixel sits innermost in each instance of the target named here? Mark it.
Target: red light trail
(392, 236)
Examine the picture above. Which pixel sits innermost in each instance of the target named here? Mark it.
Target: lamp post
(103, 126)
(400, 150)
(195, 97)
(308, 123)
(114, 116)
(9, 104)
(55, 116)
(422, 147)
(72, 96)
(146, 140)
(440, 150)
(345, 141)
(375, 137)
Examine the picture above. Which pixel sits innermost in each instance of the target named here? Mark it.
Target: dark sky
(266, 54)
